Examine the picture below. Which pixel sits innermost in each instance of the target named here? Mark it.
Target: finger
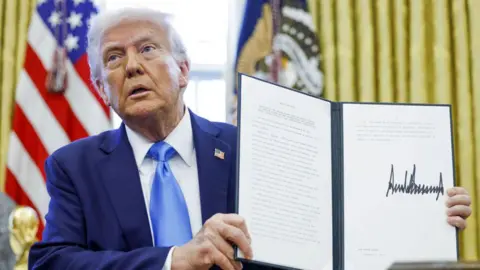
(459, 210)
(225, 248)
(236, 236)
(456, 191)
(457, 221)
(239, 222)
(237, 265)
(220, 243)
(460, 199)
(223, 262)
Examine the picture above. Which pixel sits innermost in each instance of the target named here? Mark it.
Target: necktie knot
(161, 151)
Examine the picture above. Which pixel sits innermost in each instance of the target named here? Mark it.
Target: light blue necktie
(168, 210)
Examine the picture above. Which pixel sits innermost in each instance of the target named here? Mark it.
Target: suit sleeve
(64, 245)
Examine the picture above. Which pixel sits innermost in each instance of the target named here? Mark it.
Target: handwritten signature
(411, 187)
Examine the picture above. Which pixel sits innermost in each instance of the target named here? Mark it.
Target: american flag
(43, 120)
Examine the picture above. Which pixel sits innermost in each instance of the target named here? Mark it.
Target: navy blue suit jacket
(97, 217)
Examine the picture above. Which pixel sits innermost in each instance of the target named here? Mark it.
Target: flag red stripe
(15, 191)
(83, 71)
(29, 138)
(56, 102)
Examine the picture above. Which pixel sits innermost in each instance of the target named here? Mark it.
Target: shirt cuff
(168, 262)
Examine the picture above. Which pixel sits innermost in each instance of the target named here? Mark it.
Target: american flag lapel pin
(219, 154)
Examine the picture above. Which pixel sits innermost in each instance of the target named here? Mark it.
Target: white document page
(398, 165)
(285, 189)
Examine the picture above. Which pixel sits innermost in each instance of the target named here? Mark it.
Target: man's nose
(133, 68)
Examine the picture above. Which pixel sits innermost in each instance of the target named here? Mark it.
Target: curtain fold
(14, 21)
(365, 37)
(411, 51)
(472, 241)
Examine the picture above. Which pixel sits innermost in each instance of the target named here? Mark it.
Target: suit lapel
(213, 171)
(120, 176)
(122, 183)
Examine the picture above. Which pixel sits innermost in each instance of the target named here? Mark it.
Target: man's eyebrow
(110, 46)
(135, 40)
(140, 40)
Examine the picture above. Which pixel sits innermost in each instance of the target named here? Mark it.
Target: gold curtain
(424, 51)
(14, 19)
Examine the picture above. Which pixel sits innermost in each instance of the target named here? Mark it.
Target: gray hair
(108, 19)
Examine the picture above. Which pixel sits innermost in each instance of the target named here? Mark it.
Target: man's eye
(112, 57)
(147, 49)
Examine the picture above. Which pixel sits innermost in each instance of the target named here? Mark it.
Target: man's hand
(458, 205)
(213, 245)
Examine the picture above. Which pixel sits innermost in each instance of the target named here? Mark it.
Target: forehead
(128, 32)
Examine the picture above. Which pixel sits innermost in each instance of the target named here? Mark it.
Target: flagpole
(56, 81)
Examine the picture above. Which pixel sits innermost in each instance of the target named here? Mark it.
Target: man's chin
(141, 111)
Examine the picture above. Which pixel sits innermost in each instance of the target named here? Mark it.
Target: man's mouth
(139, 90)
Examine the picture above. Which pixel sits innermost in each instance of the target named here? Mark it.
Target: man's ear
(102, 92)
(184, 70)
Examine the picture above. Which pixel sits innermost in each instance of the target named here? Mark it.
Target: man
(151, 194)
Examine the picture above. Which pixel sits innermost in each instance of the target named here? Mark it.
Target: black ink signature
(412, 187)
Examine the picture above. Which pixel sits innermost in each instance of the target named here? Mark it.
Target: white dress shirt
(183, 165)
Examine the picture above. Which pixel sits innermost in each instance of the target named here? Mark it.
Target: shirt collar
(181, 139)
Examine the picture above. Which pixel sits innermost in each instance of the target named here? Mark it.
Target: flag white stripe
(28, 175)
(83, 103)
(40, 38)
(48, 129)
(85, 106)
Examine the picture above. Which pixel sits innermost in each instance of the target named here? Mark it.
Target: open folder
(336, 185)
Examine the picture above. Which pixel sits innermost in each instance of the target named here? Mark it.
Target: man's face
(140, 75)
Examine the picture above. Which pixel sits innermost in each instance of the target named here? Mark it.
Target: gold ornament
(23, 227)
